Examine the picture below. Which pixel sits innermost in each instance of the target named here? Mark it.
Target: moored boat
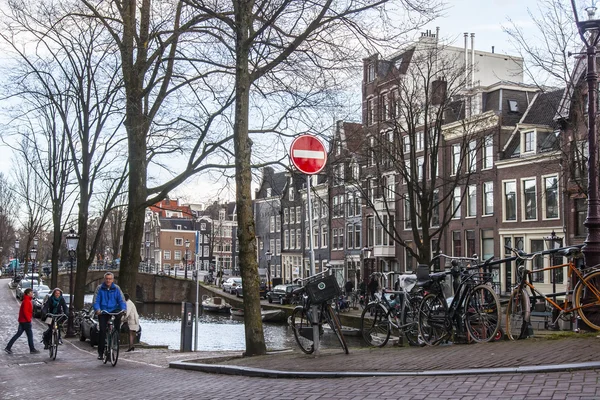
(215, 304)
(266, 315)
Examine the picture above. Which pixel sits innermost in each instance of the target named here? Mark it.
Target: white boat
(215, 304)
(266, 315)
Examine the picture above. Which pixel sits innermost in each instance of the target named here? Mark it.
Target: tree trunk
(82, 224)
(56, 242)
(255, 340)
(134, 225)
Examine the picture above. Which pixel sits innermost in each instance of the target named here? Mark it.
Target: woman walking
(132, 319)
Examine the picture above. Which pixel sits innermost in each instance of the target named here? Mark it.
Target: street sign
(308, 154)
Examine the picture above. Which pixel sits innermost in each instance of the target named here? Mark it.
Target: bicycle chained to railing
(392, 310)
(111, 341)
(472, 314)
(316, 294)
(54, 340)
(582, 294)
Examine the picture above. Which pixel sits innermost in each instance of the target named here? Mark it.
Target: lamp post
(591, 249)
(268, 255)
(32, 257)
(366, 256)
(16, 258)
(187, 246)
(72, 240)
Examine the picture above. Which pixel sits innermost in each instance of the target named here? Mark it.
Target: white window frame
(456, 150)
(488, 152)
(178, 242)
(167, 255)
(472, 156)
(528, 138)
(471, 201)
(488, 201)
(545, 197)
(456, 204)
(504, 183)
(523, 202)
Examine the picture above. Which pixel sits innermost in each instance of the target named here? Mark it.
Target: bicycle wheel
(53, 348)
(432, 319)
(517, 315)
(410, 320)
(587, 299)
(334, 324)
(107, 345)
(302, 328)
(375, 325)
(114, 348)
(482, 313)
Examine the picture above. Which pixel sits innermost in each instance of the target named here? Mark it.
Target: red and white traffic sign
(308, 154)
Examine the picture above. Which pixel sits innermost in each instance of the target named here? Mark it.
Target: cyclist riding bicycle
(108, 297)
(55, 304)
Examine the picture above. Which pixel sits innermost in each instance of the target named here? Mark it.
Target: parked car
(41, 291)
(14, 282)
(231, 284)
(282, 294)
(262, 291)
(24, 284)
(89, 328)
(39, 294)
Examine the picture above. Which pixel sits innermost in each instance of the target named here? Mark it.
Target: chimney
(466, 59)
(472, 59)
(492, 49)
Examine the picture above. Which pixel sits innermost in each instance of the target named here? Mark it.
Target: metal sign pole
(197, 294)
(314, 307)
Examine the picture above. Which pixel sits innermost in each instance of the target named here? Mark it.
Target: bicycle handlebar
(112, 313)
(56, 315)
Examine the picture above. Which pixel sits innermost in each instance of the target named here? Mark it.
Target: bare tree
(7, 216)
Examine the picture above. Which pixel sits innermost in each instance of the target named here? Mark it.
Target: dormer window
(338, 148)
(178, 227)
(528, 142)
(221, 215)
(291, 193)
(513, 106)
(371, 72)
(268, 192)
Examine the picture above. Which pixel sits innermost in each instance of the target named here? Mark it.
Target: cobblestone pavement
(76, 374)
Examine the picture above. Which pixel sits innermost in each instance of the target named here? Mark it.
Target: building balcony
(384, 251)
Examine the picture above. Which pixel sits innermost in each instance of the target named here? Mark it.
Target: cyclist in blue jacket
(108, 297)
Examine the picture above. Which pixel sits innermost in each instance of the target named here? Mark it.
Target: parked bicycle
(320, 290)
(473, 313)
(57, 320)
(392, 310)
(584, 298)
(111, 344)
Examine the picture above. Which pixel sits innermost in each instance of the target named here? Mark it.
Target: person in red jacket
(25, 316)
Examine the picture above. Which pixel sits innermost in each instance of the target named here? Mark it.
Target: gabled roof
(172, 223)
(544, 109)
(271, 179)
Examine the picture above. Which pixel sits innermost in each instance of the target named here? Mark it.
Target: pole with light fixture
(268, 256)
(591, 249)
(187, 247)
(71, 240)
(16, 258)
(32, 257)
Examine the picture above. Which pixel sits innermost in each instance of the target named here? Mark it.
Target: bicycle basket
(323, 289)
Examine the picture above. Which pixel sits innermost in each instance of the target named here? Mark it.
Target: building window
(298, 214)
(324, 236)
(406, 141)
(357, 235)
(291, 193)
(357, 204)
(277, 246)
(350, 237)
(487, 243)
(292, 216)
(407, 218)
(551, 196)
(488, 152)
(455, 158)
(370, 111)
(472, 201)
(370, 231)
(581, 215)
(278, 223)
(456, 202)
(456, 244)
(470, 242)
(528, 142)
(349, 205)
(409, 260)
(513, 106)
(316, 237)
(420, 168)
(510, 201)
(272, 224)
(472, 156)
(435, 211)
(371, 72)
(167, 254)
(178, 241)
(529, 199)
(177, 255)
(178, 227)
(384, 104)
(488, 198)
(538, 262)
(286, 239)
(286, 216)
(355, 172)
(419, 141)
(203, 226)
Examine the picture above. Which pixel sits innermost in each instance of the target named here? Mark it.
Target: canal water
(161, 325)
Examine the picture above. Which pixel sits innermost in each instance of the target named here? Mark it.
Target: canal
(161, 325)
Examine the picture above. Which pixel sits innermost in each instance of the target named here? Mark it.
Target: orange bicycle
(584, 299)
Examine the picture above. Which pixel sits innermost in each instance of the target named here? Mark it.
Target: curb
(267, 373)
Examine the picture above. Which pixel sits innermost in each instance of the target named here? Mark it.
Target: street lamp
(72, 240)
(187, 246)
(366, 256)
(16, 258)
(32, 256)
(268, 255)
(591, 249)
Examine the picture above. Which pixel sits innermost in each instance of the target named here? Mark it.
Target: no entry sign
(308, 154)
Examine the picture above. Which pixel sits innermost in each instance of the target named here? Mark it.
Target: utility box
(187, 324)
